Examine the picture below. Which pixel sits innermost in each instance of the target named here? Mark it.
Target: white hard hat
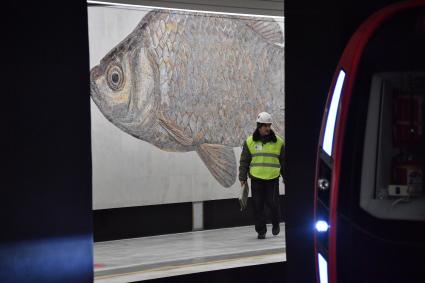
(264, 118)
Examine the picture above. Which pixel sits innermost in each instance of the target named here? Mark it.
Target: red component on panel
(405, 171)
(407, 115)
(407, 178)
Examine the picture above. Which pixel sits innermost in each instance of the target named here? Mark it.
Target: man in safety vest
(262, 159)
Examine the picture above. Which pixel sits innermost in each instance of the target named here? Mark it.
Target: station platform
(146, 258)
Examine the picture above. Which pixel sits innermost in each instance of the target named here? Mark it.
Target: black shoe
(261, 236)
(276, 229)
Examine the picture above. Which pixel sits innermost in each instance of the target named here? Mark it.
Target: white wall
(131, 172)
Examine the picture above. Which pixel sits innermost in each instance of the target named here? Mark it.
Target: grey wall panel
(257, 7)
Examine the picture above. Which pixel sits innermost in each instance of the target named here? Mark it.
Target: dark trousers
(265, 192)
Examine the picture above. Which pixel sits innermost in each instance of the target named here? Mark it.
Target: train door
(370, 193)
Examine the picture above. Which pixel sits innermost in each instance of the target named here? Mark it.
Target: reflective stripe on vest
(265, 162)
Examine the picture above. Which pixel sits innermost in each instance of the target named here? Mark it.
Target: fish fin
(268, 29)
(175, 131)
(220, 161)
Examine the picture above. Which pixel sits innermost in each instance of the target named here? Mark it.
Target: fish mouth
(95, 73)
(94, 92)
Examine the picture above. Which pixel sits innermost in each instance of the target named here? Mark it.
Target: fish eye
(115, 77)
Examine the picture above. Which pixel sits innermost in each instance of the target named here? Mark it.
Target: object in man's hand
(243, 200)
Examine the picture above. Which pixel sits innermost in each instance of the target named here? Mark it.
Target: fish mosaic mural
(194, 82)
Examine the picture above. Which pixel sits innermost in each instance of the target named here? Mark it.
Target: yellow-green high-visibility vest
(265, 158)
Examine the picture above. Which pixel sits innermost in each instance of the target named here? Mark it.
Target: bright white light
(178, 9)
(330, 123)
(322, 226)
(323, 269)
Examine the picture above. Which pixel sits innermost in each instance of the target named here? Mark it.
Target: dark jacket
(246, 157)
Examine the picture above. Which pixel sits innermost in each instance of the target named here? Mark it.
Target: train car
(369, 186)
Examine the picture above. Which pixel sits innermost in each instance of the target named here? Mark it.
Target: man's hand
(243, 183)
